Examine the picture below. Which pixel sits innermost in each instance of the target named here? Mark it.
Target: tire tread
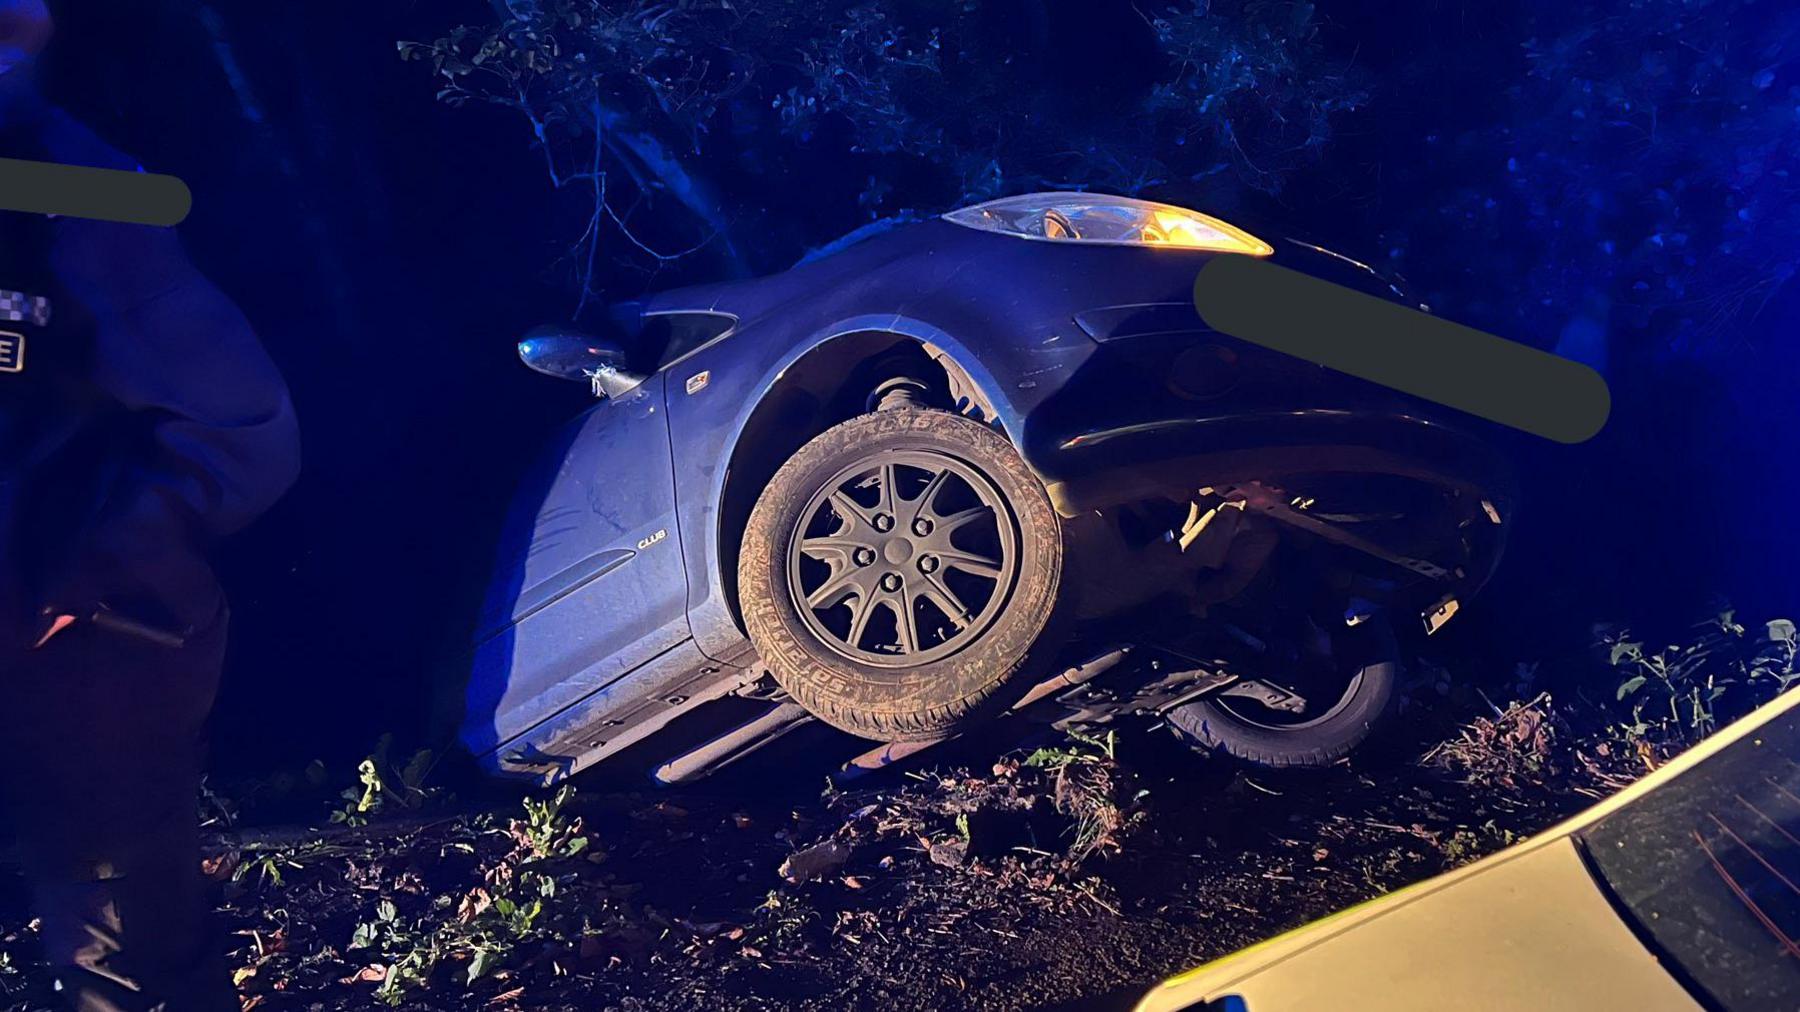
(991, 683)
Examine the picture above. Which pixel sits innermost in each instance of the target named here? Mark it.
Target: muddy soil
(1059, 879)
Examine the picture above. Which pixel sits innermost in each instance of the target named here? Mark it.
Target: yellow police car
(1681, 892)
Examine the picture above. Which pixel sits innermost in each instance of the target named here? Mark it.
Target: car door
(591, 583)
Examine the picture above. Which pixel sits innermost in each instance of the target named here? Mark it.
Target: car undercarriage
(1225, 596)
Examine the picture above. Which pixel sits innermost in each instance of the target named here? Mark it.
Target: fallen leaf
(815, 861)
(374, 973)
(219, 865)
(950, 853)
(474, 904)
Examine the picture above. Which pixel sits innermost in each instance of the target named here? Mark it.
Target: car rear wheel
(900, 574)
(1344, 706)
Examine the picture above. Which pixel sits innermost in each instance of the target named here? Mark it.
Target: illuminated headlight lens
(1103, 218)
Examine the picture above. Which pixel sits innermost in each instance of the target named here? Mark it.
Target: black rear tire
(821, 582)
(1368, 700)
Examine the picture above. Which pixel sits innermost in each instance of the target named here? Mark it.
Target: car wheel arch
(827, 383)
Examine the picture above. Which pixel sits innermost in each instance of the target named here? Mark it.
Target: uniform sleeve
(175, 352)
(212, 440)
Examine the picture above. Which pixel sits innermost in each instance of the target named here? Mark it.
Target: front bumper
(1165, 407)
(1164, 412)
(1108, 464)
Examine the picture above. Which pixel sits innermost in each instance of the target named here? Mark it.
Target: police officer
(140, 421)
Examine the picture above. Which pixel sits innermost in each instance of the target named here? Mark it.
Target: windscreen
(1708, 869)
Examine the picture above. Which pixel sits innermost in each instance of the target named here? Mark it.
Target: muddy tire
(1367, 698)
(900, 575)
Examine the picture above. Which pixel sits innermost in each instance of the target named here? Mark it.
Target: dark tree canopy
(1637, 179)
(1632, 167)
(772, 126)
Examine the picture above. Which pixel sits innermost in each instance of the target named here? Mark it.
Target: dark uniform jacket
(142, 420)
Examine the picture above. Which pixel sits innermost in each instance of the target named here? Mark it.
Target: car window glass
(1708, 868)
(666, 337)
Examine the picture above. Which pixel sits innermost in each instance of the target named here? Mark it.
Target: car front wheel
(900, 574)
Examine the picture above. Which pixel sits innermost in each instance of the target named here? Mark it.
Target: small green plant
(268, 865)
(1676, 693)
(216, 809)
(1466, 844)
(1773, 663)
(381, 787)
(1087, 748)
(491, 921)
(385, 930)
(271, 865)
(483, 931)
(1087, 789)
(545, 832)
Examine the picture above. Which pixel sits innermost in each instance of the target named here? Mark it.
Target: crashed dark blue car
(965, 465)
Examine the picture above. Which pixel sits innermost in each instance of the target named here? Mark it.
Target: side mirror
(566, 354)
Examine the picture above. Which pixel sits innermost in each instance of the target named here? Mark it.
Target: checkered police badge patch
(17, 307)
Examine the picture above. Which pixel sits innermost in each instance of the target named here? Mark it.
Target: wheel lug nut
(890, 582)
(864, 556)
(884, 522)
(922, 527)
(928, 564)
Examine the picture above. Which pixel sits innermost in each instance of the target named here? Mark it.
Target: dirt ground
(1002, 871)
(1071, 877)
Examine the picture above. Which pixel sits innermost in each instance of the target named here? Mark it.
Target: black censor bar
(76, 191)
(1410, 351)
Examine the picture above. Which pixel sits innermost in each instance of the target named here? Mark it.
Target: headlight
(1103, 218)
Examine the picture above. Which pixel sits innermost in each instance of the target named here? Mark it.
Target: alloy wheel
(903, 558)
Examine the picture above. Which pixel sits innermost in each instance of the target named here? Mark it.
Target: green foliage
(272, 865)
(1088, 787)
(1466, 844)
(490, 922)
(1085, 748)
(545, 832)
(381, 932)
(1245, 83)
(224, 805)
(268, 867)
(381, 787)
(1685, 691)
